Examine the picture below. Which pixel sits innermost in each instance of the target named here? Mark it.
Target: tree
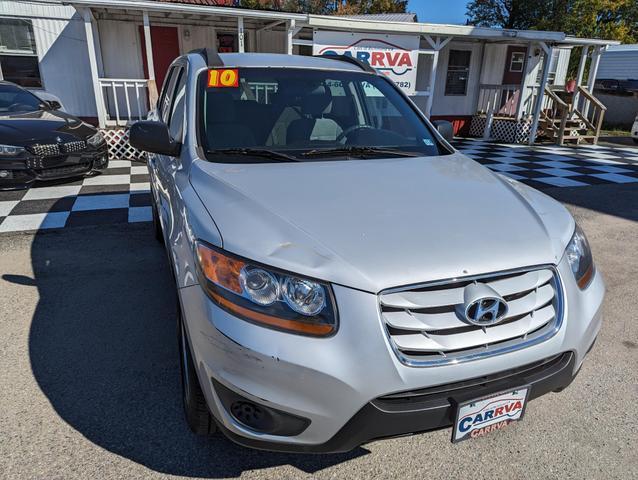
(329, 7)
(358, 7)
(608, 19)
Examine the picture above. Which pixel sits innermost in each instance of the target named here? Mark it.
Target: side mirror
(54, 104)
(153, 137)
(445, 128)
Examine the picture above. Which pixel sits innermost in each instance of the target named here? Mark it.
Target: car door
(163, 167)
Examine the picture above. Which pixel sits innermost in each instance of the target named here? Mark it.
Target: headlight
(266, 296)
(580, 259)
(10, 150)
(95, 140)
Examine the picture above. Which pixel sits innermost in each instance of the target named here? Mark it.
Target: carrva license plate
(477, 418)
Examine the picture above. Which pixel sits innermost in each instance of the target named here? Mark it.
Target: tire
(198, 417)
(635, 140)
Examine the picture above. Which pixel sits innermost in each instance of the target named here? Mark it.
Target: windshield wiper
(257, 152)
(353, 150)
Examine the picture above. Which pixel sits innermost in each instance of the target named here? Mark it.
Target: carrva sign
(393, 55)
(480, 417)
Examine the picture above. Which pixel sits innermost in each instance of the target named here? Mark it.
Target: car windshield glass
(309, 115)
(16, 100)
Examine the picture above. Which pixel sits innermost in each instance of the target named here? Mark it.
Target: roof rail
(351, 60)
(211, 57)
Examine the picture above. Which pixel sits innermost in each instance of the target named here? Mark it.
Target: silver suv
(343, 273)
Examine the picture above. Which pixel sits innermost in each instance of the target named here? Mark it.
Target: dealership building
(106, 59)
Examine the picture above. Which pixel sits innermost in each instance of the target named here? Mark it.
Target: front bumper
(21, 172)
(350, 387)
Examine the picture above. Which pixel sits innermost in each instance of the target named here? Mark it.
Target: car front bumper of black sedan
(20, 172)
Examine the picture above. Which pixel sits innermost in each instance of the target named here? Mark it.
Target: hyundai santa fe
(342, 273)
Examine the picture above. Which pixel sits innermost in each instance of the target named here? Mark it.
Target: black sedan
(40, 142)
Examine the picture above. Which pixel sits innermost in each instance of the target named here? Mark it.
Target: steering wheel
(351, 129)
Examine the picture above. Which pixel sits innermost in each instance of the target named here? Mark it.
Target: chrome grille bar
(426, 327)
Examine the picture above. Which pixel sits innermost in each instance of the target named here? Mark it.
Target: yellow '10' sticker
(223, 77)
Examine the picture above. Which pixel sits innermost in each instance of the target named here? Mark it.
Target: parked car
(634, 130)
(344, 274)
(40, 142)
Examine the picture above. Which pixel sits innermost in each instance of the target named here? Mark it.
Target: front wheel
(198, 417)
(635, 139)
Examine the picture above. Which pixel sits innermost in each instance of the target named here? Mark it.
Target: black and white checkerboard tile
(546, 166)
(120, 194)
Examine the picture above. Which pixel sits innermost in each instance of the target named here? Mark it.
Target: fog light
(259, 418)
(6, 174)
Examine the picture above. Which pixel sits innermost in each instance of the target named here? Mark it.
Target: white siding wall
(269, 41)
(62, 52)
(457, 104)
(493, 64)
(562, 66)
(619, 65)
(121, 50)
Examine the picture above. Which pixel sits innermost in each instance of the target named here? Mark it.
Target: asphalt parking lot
(90, 381)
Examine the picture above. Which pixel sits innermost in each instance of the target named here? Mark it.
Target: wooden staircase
(571, 118)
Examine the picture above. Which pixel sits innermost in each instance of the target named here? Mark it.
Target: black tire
(198, 417)
(635, 140)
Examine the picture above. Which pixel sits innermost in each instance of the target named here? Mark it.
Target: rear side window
(167, 93)
(176, 119)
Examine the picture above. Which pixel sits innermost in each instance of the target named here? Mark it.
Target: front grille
(426, 329)
(52, 149)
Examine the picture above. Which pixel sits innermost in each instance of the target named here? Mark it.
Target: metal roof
(386, 17)
(628, 47)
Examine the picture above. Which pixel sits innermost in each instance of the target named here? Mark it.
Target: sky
(439, 11)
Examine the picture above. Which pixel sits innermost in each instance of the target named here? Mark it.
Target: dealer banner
(393, 55)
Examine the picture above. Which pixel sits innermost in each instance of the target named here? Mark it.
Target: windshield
(309, 114)
(17, 100)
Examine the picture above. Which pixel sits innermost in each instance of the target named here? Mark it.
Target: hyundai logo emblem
(483, 306)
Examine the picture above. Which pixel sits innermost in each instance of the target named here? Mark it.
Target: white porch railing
(505, 101)
(125, 100)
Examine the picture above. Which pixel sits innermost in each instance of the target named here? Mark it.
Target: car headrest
(317, 102)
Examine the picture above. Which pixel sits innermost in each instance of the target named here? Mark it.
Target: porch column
(91, 34)
(522, 96)
(240, 35)
(541, 91)
(593, 69)
(290, 32)
(152, 86)
(580, 75)
(437, 45)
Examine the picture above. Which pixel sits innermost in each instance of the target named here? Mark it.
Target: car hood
(382, 223)
(42, 126)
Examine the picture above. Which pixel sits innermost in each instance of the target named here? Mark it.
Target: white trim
(153, 6)
(148, 44)
(90, 45)
(241, 39)
(291, 29)
(541, 93)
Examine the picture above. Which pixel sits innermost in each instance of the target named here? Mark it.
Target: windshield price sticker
(223, 77)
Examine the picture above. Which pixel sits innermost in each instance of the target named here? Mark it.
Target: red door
(514, 65)
(165, 49)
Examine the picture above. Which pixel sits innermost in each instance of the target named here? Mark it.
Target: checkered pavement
(120, 194)
(546, 166)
